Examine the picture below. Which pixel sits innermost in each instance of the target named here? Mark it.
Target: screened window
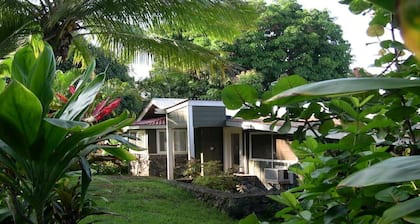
(161, 141)
(261, 146)
(180, 141)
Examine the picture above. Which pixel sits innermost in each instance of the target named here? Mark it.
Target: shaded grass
(154, 201)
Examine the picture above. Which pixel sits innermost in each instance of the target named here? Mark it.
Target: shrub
(110, 167)
(222, 183)
(211, 168)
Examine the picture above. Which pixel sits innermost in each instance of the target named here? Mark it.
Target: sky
(363, 48)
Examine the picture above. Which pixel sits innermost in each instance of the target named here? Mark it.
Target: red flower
(72, 89)
(61, 97)
(101, 110)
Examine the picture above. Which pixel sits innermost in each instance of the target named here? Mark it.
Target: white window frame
(158, 143)
(158, 146)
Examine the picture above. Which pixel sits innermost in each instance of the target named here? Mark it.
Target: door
(233, 152)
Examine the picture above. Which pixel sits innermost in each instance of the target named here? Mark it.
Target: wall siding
(209, 116)
(178, 118)
(207, 138)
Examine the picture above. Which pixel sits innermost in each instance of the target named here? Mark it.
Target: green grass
(154, 201)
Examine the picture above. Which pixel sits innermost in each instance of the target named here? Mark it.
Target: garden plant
(39, 145)
(370, 172)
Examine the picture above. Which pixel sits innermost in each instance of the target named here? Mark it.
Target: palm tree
(125, 28)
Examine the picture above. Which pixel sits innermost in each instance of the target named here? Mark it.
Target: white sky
(363, 48)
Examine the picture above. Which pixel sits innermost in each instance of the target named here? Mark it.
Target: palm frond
(129, 42)
(218, 18)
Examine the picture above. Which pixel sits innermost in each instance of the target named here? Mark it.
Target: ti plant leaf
(392, 170)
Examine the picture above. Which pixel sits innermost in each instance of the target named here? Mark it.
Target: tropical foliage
(360, 137)
(169, 83)
(291, 40)
(123, 28)
(39, 146)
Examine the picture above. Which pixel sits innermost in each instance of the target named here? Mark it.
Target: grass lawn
(154, 201)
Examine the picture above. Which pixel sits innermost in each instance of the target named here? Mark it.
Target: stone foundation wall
(236, 205)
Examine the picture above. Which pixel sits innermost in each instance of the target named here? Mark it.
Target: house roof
(151, 121)
(158, 103)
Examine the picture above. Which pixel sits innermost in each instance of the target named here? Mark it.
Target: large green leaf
(78, 141)
(119, 152)
(393, 170)
(20, 116)
(346, 86)
(34, 67)
(22, 64)
(235, 96)
(54, 131)
(400, 210)
(42, 76)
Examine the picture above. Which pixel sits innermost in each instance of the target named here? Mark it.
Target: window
(266, 146)
(161, 141)
(180, 141)
(261, 145)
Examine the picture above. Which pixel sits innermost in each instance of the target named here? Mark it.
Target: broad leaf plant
(39, 145)
(359, 141)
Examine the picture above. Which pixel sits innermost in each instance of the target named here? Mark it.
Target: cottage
(174, 131)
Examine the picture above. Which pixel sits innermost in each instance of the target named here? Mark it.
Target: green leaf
(389, 5)
(392, 194)
(412, 218)
(86, 176)
(125, 142)
(375, 30)
(343, 87)
(235, 96)
(2, 85)
(393, 170)
(285, 128)
(67, 125)
(392, 44)
(20, 116)
(248, 114)
(326, 126)
(286, 198)
(358, 6)
(250, 219)
(334, 213)
(400, 113)
(307, 215)
(313, 108)
(400, 210)
(41, 77)
(22, 64)
(288, 82)
(385, 59)
(346, 107)
(119, 152)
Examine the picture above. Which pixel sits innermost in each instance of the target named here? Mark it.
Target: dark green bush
(110, 167)
(211, 168)
(222, 183)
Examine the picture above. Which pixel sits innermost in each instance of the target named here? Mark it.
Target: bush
(222, 183)
(110, 167)
(211, 168)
